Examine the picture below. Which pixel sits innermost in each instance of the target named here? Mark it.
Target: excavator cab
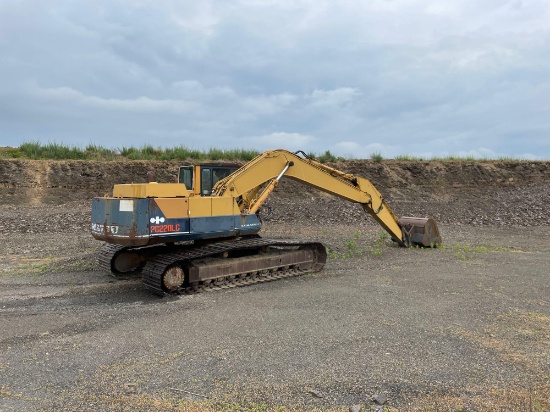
(200, 179)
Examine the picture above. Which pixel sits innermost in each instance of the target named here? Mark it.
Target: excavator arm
(256, 180)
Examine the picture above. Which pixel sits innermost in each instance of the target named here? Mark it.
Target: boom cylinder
(268, 190)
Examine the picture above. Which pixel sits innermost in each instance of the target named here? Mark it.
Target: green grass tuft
(376, 157)
(409, 158)
(325, 157)
(54, 151)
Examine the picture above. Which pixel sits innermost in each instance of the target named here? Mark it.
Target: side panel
(200, 206)
(224, 226)
(168, 221)
(247, 224)
(211, 216)
(173, 207)
(223, 206)
(212, 226)
(121, 221)
(140, 222)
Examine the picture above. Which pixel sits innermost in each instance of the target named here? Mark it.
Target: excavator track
(154, 271)
(105, 256)
(124, 261)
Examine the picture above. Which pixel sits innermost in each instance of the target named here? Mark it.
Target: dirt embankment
(462, 192)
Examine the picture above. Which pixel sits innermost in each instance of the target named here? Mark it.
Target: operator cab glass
(186, 177)
(211, 175)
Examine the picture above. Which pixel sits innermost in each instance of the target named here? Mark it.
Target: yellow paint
(173, 208)
(200, 206)
(223, 206)
(197, 206)
(197, 181)
(248, 180)
(144, 190)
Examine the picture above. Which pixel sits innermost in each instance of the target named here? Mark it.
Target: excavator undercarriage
(180, 269)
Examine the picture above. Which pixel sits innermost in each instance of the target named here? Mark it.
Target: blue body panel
(140, 222)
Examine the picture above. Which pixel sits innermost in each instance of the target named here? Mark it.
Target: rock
(131, 388)
(380, 399)
(316, 393)
(355, 408)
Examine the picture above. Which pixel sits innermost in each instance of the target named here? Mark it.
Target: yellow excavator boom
(254, 181)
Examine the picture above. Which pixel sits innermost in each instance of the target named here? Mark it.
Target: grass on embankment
(55, 151)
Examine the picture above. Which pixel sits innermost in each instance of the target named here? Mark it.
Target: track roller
(173, 278)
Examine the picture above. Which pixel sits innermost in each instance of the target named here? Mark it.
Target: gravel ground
(462, 327)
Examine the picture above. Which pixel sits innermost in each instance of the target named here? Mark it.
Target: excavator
(201, 233)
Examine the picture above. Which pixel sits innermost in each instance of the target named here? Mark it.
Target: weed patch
(467, 252)
(5, 392)
(535, 398)
(516, 337)
(355, 247)
(39, 267)
(325, 157)
(376, 157)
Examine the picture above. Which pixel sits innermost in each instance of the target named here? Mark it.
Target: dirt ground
(463, 327)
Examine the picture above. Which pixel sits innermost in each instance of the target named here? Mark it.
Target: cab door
(186, 176)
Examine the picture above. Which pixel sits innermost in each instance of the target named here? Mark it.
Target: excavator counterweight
(202, 232)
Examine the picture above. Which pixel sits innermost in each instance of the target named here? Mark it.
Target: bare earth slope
(463, 327)
(499, 193)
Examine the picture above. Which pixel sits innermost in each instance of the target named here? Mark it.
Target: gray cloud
(400, 77)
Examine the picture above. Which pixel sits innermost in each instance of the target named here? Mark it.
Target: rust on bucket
(420, 231)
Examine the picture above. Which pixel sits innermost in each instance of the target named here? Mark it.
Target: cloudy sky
(415, 77)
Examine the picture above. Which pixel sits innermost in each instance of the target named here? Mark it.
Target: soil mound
(514, 193)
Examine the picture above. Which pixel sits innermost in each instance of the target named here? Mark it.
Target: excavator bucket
(420, 231)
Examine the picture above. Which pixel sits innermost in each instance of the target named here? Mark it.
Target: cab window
(212, 175)
(219, 173)
(186, 177)
(206, 181)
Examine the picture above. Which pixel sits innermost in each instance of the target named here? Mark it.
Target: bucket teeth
(420, 231)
